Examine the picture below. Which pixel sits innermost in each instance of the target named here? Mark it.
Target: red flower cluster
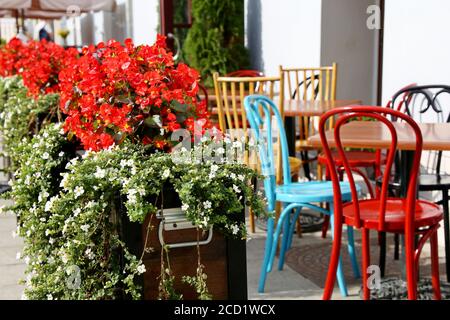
(38, 62)
(10, 53)
(114, 90)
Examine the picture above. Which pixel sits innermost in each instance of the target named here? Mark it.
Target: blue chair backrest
(260, 112)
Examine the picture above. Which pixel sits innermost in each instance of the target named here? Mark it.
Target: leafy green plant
(22, 116)
(215, 43)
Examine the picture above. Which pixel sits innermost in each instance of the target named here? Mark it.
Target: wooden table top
(294, 108)
(369, 134)
(310, 108)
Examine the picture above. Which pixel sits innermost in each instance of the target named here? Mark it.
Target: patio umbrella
(60, 5)
(15, 4)
(83, 5)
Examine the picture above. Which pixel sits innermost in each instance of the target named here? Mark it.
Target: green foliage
(21, 116)
(215, 43)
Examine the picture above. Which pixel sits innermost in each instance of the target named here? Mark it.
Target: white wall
(145, 21)
(283, 32)
(416, 47)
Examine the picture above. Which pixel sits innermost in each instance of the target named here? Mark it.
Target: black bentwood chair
(428, 104)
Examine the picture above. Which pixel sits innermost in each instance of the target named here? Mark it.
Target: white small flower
(141, 269)
(234, 229)
(233, 176)
(49, 297)
(220, 150)
(61, 154)
(236, 189)
(100, 173)
(65, 258)
(162, 131)
(77, 211)
(157, 120)
(207, 204)
(185, 207)
(51, 241)
(43, 196)
(214, 168)
(27, 260)
(91, 204)
(166, 174)
(78, 191)
(49, 204)
(45, 156)
(241, 177)
(85, 227)
(89, 254)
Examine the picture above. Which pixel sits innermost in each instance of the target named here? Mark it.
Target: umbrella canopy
(82, 5)
(60, 5)
(15, 4)
(32, 14)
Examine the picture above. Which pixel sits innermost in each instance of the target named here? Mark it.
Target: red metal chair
(362, 159)
(407, 215)
(245, 73)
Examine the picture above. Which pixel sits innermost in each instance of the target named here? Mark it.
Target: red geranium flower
(115, 90)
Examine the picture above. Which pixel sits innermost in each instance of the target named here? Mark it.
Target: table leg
(289, 127)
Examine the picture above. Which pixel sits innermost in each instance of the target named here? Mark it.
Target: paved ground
(11, 269)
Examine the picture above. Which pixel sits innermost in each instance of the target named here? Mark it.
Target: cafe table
(375, 135)
(301, 108)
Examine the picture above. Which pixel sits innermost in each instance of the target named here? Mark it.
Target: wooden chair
(309, 84)
(230, 93)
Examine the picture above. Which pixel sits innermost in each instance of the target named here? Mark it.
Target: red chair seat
(355, 158)
(427, 214)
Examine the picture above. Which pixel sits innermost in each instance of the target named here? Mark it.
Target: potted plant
(91, 231)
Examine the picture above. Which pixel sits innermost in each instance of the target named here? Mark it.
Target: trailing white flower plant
(70, 213)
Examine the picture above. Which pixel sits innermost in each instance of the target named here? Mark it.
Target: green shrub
(215, 43)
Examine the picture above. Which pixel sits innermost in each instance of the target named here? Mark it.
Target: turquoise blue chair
(261, 111)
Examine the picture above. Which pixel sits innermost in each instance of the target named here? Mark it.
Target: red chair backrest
(380, 114)
(245, 73)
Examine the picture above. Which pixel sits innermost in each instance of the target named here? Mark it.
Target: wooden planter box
(224, 260)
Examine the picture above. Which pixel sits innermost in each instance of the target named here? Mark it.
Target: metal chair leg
(397, 246)
(382, 240)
